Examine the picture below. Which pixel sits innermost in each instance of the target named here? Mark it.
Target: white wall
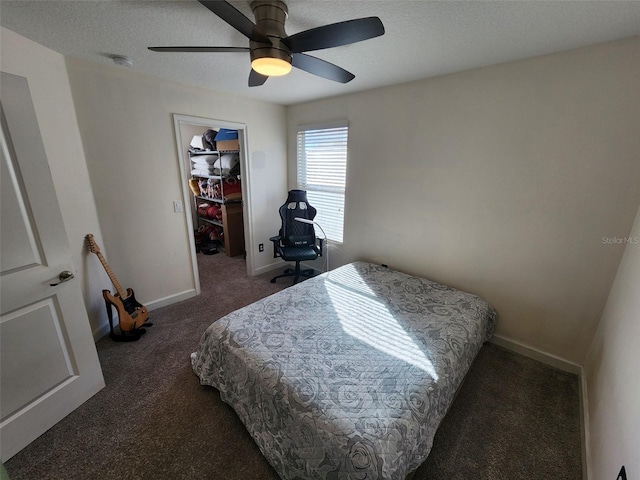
(109, 136)
(49, 84)
(611, 372)
(126, 124)
(501, 181)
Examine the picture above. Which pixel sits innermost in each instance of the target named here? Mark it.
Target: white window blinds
(322, 172)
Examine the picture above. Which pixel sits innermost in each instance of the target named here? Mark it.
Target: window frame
(335, 233)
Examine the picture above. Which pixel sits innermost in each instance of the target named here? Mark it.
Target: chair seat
(295, 254)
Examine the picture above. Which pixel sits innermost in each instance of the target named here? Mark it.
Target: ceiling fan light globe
(271, 67)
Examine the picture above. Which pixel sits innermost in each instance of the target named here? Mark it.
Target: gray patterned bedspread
(346, 375)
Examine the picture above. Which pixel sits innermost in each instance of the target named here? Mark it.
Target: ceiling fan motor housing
(272, 50)
(270, 16)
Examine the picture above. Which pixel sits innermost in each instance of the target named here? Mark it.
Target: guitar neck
(121, 292)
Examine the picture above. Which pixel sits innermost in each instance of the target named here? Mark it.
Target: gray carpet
(514, 418)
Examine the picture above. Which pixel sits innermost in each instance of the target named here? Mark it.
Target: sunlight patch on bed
(367, 319)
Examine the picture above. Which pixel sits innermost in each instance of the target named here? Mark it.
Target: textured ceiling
(422, 39)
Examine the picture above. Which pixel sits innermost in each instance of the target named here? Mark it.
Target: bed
(348, 374)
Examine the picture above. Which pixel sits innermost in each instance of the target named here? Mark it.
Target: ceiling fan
(273, 52)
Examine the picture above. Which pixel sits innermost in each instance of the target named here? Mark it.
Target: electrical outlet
(177, 206)
(261, 247)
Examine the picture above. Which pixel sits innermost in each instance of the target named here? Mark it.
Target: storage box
(228, 145)
(227, 140)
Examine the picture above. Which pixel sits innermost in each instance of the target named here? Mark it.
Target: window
(322, 172)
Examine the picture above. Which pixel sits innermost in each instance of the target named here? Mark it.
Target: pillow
(204, 159)
(226, 163)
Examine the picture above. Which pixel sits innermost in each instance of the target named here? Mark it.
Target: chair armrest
(319, 245)
(276, 243)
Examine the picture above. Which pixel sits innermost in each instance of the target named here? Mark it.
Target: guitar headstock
(91, 243)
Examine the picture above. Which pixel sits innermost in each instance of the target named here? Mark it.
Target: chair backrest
(294, 233)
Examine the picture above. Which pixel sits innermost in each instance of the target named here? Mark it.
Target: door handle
(64, 276)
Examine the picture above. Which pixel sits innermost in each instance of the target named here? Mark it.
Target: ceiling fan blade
(236, 19)
(199, 49)
(321, 68)
(335, 35)
(256, 79)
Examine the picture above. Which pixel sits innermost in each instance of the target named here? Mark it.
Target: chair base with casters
(297, 241)
(299, 255)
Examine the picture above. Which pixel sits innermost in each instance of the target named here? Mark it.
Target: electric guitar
(131, 313)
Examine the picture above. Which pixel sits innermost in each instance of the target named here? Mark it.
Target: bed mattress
(348, 374)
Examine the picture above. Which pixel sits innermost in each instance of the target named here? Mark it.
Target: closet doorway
(234, 215)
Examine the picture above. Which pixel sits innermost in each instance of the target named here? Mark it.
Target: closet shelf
(209, 220)
(217, 200)
(217, 190)
(211, 152)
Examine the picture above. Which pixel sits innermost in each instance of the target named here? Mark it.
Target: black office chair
(297, 241)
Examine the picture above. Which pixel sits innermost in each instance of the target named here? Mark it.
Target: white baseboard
(171, 299)
(564, 365)
(104, 329)
(584, 428)
(101, 331)
(280, 264)
(536, 354)
(270, 267)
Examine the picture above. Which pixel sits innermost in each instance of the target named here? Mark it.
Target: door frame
(187, 194)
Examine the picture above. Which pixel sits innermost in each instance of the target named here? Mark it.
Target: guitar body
(131, 313)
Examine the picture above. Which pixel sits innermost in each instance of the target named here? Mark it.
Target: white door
(48, 360)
